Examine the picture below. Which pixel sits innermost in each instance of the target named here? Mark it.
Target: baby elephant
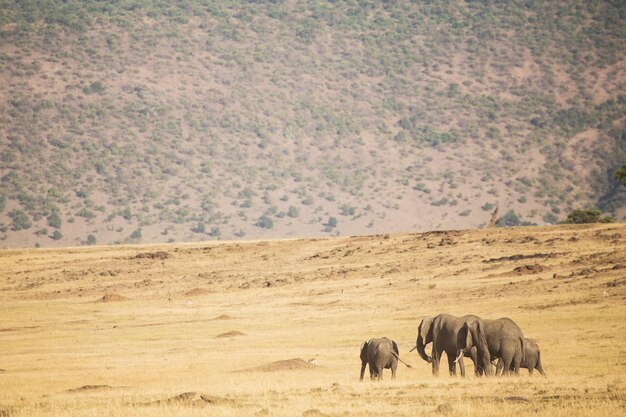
(379, 354)
(532, 359)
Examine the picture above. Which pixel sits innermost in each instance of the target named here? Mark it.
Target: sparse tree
(620, 175)
(581, 216)
(21, 221)
(293, 211)
(265, 222)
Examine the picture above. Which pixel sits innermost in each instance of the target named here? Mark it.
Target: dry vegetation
(274, 327)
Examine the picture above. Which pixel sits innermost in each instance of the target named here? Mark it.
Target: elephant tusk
(415, 347)
(459, 357)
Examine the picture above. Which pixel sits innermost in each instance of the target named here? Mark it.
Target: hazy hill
(201, 119)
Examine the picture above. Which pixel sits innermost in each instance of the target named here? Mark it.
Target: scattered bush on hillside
(3, 202)
(265, 222)
(347, 210)
(550, 218)
(293, 212)
(91, 240)
(580, 216)
(57, 235)
(20, 220)
(332, 222)
(510, 219)
(620, 175)
(200, 228)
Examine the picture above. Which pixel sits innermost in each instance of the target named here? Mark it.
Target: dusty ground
(274, 328)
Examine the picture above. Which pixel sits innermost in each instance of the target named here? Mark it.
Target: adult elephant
(444, 333)
(379, 354)
(532, 359)
(500, 338)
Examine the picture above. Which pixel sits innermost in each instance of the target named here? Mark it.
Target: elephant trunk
(421, 349)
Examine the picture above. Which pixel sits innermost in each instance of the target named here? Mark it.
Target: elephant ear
(363, 347)
(426, 330)
(395, 347)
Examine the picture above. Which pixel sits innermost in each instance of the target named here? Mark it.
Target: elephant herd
(481, 340)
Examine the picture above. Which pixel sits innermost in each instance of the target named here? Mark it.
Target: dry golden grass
(216, 329)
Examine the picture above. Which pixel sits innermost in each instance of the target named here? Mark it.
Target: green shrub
(57, 235)
(581, 216)
(20, 220)
(91, 240)
(265, 222)
(620, 175)
(509, 219)
(332, 222)
(200, 228)
(550, 218)
(293, 212)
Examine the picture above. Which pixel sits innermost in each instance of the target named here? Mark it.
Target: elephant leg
(451, 364)
(517, 364)
(462, 367)
(507, 365)
(394, 366)
(499, 367)
(540, 369)
(376, 373)
(530, 371)
(478, 368)
(363, 365)
(436, 357)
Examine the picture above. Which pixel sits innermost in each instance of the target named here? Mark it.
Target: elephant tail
(539, 366)
(397, 356)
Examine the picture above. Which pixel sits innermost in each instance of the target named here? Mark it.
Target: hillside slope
(199, 119)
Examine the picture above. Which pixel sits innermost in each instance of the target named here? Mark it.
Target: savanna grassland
(148, 122)
(273, 328)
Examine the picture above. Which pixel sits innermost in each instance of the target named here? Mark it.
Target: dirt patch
(528, 269)
(313, 412)
(223, 317)
(515, 399)
(91, 388)
(233, 333)
(520, 257)
(445, 408)
(547, 306)
(197, 292)
(111, 297)
(15, 329)
(284, 365)
(193, 399)
(152, 255)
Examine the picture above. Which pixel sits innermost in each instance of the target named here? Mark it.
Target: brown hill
(196, 120)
